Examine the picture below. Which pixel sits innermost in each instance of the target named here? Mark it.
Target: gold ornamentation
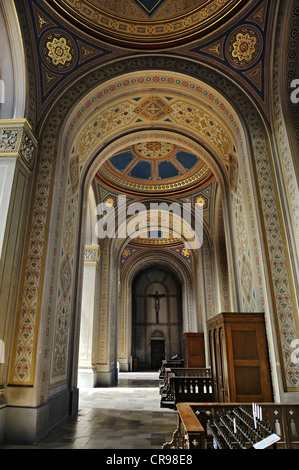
(110, 202)
(201, 201)
(186, 253)
(170, 21)
(126, 253)
(244, 47)
(59, 51)
(154, 150)
(153, 108)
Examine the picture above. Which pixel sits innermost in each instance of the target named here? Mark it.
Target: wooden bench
(167, 374)
(194, 419)
(185, 389)
(171, 363)
(183, 372)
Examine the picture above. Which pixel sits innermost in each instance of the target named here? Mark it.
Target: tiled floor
(124, 417)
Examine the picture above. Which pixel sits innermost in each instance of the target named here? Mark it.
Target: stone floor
(124, 417)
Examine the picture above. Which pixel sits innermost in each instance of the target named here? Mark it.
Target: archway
(156, 317)
(76, 170)
(249, 246)
(225, 139)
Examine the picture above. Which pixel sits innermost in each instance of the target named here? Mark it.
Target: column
(17, 157)
(90, 304)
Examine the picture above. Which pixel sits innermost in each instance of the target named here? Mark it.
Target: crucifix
(156, 296)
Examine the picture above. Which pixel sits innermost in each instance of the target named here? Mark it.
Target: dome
(154, 167)
(148, 23)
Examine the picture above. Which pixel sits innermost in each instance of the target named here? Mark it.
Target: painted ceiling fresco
(150, 22)
(155, 167)
(61, 49)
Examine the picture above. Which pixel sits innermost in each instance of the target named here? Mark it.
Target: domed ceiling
(154, 167)
(148, 23)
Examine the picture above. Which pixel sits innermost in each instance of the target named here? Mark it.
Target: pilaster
(17, 157)
(90, 304)
(18, 146)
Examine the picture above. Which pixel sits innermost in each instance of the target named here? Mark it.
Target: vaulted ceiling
(148, 23)
(66, 40)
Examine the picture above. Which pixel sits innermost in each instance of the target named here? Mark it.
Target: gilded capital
(92, 254)
(17, 139)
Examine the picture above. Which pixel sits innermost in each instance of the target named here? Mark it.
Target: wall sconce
(2, 352)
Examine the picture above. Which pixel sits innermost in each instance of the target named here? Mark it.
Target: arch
(157, 319)
(243, 120)
(284, 120)
(170, 261)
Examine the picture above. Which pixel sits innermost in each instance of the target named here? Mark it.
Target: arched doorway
(157, 349)
(156, 317)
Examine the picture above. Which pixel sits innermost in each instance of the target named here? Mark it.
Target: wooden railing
(183, 372)
(172, 363)
(193, 419)
(186, 389)
(192, 372)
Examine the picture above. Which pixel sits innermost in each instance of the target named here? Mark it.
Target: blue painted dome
(154, 166)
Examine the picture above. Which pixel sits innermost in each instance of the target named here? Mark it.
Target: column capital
(17, 139)
(92, 254)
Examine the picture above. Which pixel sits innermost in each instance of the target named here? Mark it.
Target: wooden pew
(183, 372)
(167, 374)
(171, 363)
(185, 389)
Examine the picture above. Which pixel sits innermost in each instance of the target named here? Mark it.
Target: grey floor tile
(124, 417)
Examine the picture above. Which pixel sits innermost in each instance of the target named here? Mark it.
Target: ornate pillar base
(106, 379)
(86, 377)
(28, 425)
(125, 366)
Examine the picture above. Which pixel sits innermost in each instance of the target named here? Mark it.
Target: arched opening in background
(156, 317)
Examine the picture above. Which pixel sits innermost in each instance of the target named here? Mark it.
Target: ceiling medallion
(154, 149)
(245, 47)
(201, 201)
(59, 51)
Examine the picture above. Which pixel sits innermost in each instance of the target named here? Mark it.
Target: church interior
(149, 205)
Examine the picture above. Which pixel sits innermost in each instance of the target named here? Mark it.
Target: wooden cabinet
(194, 350)
(239, 358)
